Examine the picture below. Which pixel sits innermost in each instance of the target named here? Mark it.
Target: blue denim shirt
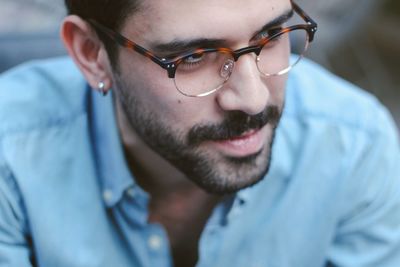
(68, 199)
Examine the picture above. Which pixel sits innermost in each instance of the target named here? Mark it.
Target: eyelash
(269, 32)
(202, 58)
(196, 58)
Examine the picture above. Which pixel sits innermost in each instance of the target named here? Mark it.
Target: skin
(155, 119)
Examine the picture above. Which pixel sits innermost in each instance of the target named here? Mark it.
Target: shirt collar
(114, 174)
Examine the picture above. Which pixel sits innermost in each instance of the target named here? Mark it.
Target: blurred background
(358, 40)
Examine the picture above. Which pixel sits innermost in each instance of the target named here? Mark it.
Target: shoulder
(335, 124)
(316, 95)
(44, 135)
(39, 93)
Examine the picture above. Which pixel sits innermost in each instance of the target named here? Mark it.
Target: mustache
(235, 124)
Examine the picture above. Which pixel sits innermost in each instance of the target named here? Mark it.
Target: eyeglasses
(203, 71)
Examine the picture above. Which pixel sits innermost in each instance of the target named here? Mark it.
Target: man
(179, 160)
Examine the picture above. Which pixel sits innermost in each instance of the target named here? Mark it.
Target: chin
(224, 175)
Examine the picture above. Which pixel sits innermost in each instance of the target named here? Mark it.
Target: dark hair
(110, 13)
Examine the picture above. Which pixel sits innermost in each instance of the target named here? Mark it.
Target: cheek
(145, 80)
(277, 88)
(150, 86)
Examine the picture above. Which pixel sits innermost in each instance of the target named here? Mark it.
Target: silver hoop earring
(102, 88)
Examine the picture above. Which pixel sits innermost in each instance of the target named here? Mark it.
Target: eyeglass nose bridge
(246, 50)
(227, 67)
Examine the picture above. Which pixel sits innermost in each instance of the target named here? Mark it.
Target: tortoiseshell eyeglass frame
(171, 64)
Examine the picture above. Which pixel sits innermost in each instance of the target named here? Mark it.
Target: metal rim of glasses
(257, 60)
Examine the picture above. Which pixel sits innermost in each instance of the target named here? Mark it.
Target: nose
(246, 90)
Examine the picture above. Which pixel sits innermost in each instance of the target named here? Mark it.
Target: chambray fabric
(67, 198)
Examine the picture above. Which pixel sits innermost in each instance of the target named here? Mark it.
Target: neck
(176, 202)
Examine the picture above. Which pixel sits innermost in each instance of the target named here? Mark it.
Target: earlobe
(87, 51)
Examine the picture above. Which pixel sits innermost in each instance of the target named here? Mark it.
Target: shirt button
(130, 192)
(107, 195)
(155, 242)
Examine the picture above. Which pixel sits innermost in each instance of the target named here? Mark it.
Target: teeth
(238, 142)
(245, 144)
(243, 136)
(241, 140)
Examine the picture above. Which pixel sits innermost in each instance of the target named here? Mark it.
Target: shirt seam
(13, 186)
(370, 129)
(45, 124)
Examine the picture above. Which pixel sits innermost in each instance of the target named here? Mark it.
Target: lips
(246, 144)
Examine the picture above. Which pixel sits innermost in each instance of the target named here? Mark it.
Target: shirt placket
(148, 242)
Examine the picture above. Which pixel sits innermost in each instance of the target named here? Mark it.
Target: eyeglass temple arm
(121, 40)
(306, 17)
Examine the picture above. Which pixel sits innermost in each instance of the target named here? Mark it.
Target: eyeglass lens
(201, 74)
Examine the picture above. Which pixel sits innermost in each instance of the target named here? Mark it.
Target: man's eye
(192, 62)
(274, 31)
(192, 59)
(270, 32)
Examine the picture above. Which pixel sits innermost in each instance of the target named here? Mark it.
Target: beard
(213, 172)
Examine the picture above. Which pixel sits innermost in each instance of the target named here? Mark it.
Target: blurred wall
(29, 29)
(360, 41)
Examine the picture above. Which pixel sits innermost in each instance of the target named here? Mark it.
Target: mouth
(248, 143)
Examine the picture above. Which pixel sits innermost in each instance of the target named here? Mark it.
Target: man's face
(222, 142)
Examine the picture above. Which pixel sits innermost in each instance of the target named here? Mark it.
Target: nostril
(227, 68)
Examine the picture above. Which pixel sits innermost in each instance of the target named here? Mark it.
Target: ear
(87, 51)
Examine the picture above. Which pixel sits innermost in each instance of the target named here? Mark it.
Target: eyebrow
(275, 22)
(179, 46)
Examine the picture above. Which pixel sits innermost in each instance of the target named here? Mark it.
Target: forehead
(166, 20)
